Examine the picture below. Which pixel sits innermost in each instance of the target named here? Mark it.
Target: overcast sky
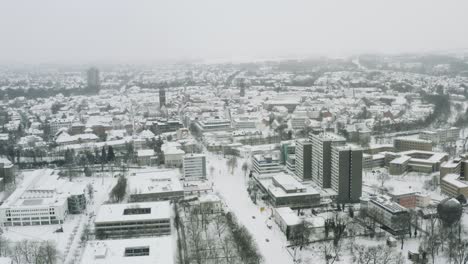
(88, 31)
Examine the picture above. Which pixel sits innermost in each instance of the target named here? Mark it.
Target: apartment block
(303, 157)
(346, 173)
(321, 152)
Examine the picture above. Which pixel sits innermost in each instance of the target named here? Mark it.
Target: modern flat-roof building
(155, 185)
(392, 216)
(213, 124)
(346, 173)
(303, 156)
(321, 152)
(133, 220)
(416, 160)
(441, 135)
(264, 164)
(452, 185)
(245, 122)
(32, 204)
(405, 144)
(285, 191)
(135, 251)
(194, 167)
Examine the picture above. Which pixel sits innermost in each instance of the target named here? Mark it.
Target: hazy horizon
(106, 31)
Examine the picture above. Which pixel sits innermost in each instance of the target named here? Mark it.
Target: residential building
(115, 221)
(321, 157)
(346, 173)
(194, 167)
(303, 157)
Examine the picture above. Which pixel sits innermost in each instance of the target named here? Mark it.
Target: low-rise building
(452, 185)
(405, 144)
(133, 220)
(287, 220)
(138, 251)
(146, 157)
(155, 185)
(392, 216)
(266, 163)
(284, 190)
(441, 135)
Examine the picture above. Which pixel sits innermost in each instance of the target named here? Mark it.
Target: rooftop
(156, 250)
(155, 181)
(115, 212)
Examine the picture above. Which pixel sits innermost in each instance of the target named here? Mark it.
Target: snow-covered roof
(160, 250)
(115, 212)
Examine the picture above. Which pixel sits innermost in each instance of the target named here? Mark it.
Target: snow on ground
(233, 189)
(68, 240)
(408, 182)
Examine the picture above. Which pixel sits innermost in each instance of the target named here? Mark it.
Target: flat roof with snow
(149, 211)
(155, 181)
(152, 250)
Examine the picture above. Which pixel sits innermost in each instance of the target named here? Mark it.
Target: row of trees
(29, 251)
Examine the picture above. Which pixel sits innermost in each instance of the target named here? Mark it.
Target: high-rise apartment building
(346, 173)
(321, 152)
(93, 79)
(162, 97)
(303, 168)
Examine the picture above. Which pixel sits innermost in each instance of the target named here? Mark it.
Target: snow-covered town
(251, 132)
(348, 161)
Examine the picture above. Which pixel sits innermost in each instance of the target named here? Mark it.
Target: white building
(194, 167)
(137, 251)
(266, 163)
(29, 205)
(173, 155)
(245, 122)
(133, 220)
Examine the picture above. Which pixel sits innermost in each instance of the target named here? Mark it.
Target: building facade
(321, 152)
(346, 173)
(303, 157)
(115, 221)
(194, 167)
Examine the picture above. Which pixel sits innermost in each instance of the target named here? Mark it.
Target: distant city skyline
(52, 31)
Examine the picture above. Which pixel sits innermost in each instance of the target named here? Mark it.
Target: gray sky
(88, 31)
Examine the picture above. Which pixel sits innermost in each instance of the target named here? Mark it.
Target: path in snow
(233, 190)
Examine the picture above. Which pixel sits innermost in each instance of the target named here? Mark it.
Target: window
(136, 251)
(134, 211)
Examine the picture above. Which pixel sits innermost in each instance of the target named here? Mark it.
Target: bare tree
(245, 168)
